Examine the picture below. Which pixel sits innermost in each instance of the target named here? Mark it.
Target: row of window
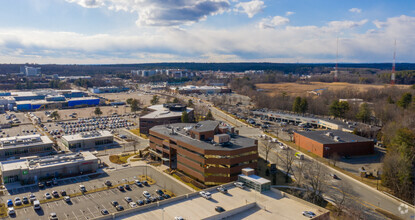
(161, 139)
(190, 167)
(200, 164)
(101, 142)
(231, 156)
(27, 150)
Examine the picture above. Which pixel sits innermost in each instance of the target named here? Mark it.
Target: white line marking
(74, 215)
(91, 212)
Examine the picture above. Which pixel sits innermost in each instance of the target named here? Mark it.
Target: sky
(144, 31)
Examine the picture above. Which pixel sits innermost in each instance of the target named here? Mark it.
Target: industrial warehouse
(164, 114)
(328, 143)
(45, 99)
(24, 146)
(208, 151)
(87, 140)
(35, 169)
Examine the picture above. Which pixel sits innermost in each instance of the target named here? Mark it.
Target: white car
(11, 211)
(133, 204)
(146, 194)
(205, 194)
(48, 196)
(178, 218)
(239, 184)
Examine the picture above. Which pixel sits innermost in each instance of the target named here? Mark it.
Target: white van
(36, 205)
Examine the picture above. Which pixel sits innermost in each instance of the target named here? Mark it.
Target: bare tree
(334, 158)
(298, 172)
(340, 200)
(316, 181)
(287, 159)
(268, 146)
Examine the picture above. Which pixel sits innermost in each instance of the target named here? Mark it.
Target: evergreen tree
(209, 116)
(296, 104)
(339, 109)
(364, 113)
(98, 111)
(405, 100)
(185, 117)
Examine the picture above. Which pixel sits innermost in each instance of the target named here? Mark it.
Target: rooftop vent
(336, 138)
(329, 134)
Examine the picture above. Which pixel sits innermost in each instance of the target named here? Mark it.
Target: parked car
(128, 199)
(222, 189)
(145, 183)
(119, 207)
(36, 205)
(41, 185)
(138, 183)
(55, 194)
(140, 202)
(166, 196)
(160, 192)
(104, 212)
(121, 188)
(309, 214)
(25, 200)
(178, 218)
(63, 192)
(82, 188)
(219, 209)
(17, 201)
(108, 183)
(146, 194)
(11, 211)
(334, 176)
(53, 216)
(239, 185)
(132, 204)
(32, 198)
(114, 203)
(127, 187)
(48, 196)
(205, 194)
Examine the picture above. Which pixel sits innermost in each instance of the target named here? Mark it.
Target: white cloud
(250, 8)
(355, 10)
(341, 25)
(273, 22)
(161, 12)
(248, 43)
(288, 13)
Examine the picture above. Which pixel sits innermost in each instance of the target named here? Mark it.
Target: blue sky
(139, 31)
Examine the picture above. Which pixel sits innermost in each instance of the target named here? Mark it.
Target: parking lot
(89, 205)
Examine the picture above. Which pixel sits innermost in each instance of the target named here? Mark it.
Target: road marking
(25, 210)
(91, 212)
(74, 215)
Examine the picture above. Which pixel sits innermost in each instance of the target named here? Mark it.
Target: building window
(190, 168)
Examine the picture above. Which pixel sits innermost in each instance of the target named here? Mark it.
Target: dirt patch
(302, 89)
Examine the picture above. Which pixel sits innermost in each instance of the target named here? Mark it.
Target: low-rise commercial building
(87, 140)
(200, 89)
(208, 151)
(253, 181)
(24, 145)
(109, 89)
(164, 114)
(329, 143)
(31, 170)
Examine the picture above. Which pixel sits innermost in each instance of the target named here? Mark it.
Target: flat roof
(180, 134)
(321, 136)
(48, 161)
(161, 112)
(204, 126)
(87, 135)
(275, 206)
(24, 141)
(255, 178)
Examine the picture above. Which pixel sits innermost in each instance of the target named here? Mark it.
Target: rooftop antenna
(336, 70)
(393, 66)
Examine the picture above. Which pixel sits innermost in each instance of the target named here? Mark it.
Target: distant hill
(299, 68)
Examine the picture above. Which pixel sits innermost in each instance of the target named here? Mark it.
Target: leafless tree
(268, 146)
(298, 172)
(341, 199)
(287, 159)
(334, 158)
(316, 180)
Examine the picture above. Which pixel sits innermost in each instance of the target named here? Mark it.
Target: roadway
(365, 197)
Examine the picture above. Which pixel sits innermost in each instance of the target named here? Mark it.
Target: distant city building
(87, 140)
(32, 170)
(110, 89)
(30, 71)
(20, 146)
(200, 89)
(208, 151)
(176, 73)
(163, 114)
(328, 143)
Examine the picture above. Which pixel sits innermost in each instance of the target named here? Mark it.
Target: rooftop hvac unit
(329, 134)
(336, 138)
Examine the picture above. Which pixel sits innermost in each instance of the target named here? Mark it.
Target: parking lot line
(91, 212)
(74, 215)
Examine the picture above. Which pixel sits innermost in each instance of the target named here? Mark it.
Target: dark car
(147, 201)
(114, 203)
(127, 187)
(219, 209)
(145, 183)
(119, 207)
(55, 194)
(41, 185)
(25, 200)
(159, 192)
(166, 196)
(108, 183)
(121, 188)
(48, 183)
(160, 198)
(63, 192)
(104, 212)
(140, 202)
(152, 199)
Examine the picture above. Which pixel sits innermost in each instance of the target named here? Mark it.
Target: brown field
(298, 89)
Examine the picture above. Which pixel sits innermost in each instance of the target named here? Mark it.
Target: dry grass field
(297, 89)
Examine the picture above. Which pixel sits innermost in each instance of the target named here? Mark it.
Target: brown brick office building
(163, 114)
(327, 143)
(207, 151)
